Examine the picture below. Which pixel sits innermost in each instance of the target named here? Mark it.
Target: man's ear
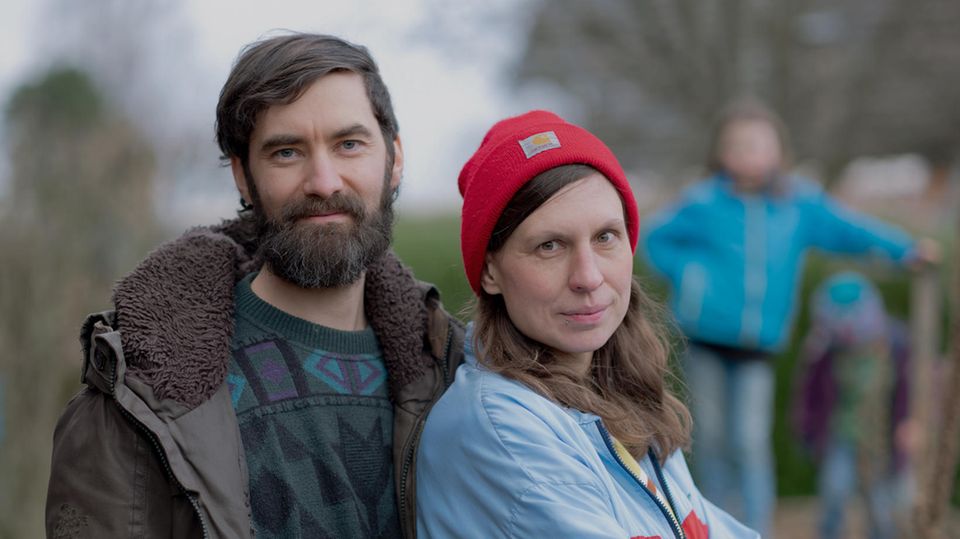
(396, 173)
(490, 277)
(240, 179)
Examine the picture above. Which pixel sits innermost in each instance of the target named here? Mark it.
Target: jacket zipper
(754, 271)
(407, 459)
(671, 516)
(663, 481)
(418, 430)
(159, 452)
(444, 365)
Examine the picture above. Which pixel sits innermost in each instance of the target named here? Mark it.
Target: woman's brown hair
(627, 382)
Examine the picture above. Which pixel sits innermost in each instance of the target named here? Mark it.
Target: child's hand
(908, 438)
(927, 252)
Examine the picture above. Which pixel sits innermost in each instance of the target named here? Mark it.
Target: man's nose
(323, 179)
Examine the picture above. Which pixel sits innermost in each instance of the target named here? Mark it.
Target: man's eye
(350, 145)
(286, 153)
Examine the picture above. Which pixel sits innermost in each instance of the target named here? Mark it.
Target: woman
(560, 424)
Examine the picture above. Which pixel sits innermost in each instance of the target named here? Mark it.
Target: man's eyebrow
(352, 131)
(280, 140)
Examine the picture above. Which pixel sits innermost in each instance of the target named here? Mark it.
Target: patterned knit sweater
(316, 424)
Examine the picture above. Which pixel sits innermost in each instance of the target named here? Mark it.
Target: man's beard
(329, 255)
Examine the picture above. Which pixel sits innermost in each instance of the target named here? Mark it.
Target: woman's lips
(585, 315)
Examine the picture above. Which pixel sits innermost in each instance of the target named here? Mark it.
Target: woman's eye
(549, 246)
(607, 237)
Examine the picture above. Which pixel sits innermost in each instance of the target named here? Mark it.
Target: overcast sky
(444, 98)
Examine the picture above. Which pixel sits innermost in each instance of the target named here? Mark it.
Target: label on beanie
(538, 143)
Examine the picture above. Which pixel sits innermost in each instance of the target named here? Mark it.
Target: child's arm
(668, 235)
(836, 228)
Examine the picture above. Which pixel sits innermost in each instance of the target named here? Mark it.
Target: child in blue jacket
(732, 249)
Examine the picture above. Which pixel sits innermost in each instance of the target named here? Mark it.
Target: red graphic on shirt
(695, 528)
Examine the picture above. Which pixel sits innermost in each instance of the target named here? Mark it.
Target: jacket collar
(779, 187)
(176, 312)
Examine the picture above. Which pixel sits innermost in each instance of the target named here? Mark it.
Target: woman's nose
(585, 274)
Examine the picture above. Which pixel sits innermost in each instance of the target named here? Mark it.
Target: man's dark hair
(278, 70)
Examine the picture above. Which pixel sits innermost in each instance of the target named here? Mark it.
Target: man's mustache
(312, 205)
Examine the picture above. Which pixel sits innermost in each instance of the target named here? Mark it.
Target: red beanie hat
(514, 152)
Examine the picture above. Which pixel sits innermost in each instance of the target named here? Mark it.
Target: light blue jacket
(498, 460)
(734, 261)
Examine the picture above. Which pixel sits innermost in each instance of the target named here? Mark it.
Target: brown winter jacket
(151, 446)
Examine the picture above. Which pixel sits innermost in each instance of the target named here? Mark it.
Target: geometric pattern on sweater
(236, 384)
(285, 512)
(359, 374)
(272, 372)
(316, 424)
(317, 431)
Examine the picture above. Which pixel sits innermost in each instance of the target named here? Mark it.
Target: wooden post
(939, 400)
(925, 309)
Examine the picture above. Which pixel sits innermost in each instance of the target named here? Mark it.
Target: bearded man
(269, 375)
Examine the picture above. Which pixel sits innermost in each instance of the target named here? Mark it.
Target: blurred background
(107, 146)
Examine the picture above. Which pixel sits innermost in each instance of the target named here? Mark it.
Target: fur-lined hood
(175, 312)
